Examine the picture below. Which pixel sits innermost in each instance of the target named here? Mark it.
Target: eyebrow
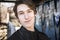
(26, 10)
(20, 11)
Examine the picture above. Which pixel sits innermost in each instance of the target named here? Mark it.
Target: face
(25, 15)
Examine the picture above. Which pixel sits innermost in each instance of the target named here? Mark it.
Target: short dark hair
(27, 2)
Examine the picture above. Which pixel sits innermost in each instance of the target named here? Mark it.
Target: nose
(26, 16)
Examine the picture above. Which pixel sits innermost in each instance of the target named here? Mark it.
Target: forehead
(22, 7)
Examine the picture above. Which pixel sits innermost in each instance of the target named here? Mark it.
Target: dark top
(23, 34)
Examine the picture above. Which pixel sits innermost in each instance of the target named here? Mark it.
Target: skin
(26, 16)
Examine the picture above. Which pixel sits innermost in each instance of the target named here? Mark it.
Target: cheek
(32, 17)
(32, 14)
(21, 18)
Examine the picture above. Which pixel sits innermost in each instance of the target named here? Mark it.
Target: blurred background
(47, 18)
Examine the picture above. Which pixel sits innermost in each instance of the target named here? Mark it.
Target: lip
(27, 20)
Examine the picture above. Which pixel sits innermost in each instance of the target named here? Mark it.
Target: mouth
(27, 20)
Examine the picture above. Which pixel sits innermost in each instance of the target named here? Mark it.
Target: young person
(25, 12)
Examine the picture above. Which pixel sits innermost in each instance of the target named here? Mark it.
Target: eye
(20, 13)
(29, 11)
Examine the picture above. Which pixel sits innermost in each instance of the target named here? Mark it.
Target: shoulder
(18, 35)
(43, 36)
(15, 36)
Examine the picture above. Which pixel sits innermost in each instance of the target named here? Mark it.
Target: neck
(30, 28)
